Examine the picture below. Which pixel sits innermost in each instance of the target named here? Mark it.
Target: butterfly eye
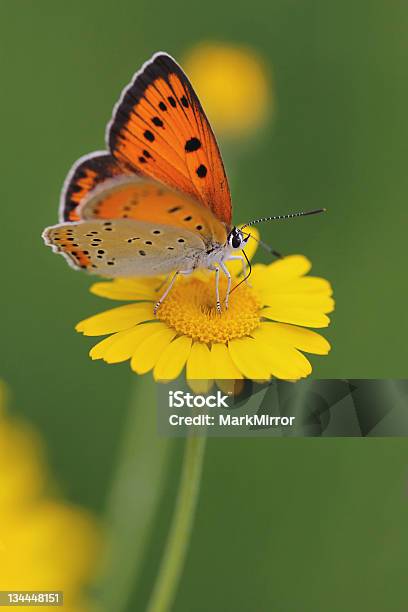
(235, 239)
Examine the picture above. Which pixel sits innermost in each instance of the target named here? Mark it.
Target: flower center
(190, 309)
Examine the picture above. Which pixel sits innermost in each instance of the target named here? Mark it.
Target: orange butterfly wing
(159, 129)
(87, 172)
(141, 199)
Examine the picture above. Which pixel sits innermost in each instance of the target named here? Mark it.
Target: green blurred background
(286, 525)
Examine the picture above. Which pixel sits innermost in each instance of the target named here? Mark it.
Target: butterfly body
(158, 200)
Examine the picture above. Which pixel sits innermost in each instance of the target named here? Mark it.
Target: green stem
(172, 562)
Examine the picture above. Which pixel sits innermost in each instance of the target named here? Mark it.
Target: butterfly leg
(217, 285)
(228, 275)
(169, 288)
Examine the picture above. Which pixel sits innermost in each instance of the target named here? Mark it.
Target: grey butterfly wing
(124, 247)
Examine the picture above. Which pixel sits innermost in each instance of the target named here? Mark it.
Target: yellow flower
(233, 84)
(45, 543)
(263, 333)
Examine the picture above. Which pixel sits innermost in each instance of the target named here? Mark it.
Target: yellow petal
(128, 343)
(173, 359)
(297, 316)
(223, 366)
(127, 289)
(199, 365)
(282, 270)
(306, 284)
(284, 361)
(148, 352)
(318, 302)
(115, 319)
(99, 350)
(299, 337)
(245, 355)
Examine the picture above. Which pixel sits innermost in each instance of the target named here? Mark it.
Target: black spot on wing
(149, 135)
(201, 171)
(193, 144)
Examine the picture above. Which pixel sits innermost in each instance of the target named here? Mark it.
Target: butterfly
(157, 201)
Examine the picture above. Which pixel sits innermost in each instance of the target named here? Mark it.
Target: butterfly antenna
(247, 276)
(282, 217)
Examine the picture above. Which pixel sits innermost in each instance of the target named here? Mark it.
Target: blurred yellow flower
(45, 544)
(233, 84)
(22, 475)
(261, 334)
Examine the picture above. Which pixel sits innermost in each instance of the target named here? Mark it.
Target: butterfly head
(236, 239)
